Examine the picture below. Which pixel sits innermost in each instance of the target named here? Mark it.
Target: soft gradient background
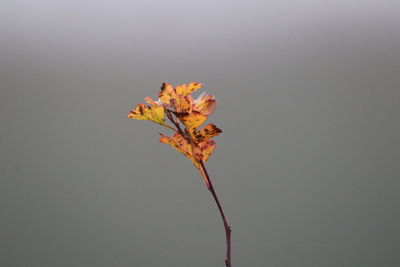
(307, 167)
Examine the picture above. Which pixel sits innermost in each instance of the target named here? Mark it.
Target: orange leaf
(182, 104)
(192, 120)
(207, 132)
(207, 147)
(187, 89)
(167, 93)
(179, 143)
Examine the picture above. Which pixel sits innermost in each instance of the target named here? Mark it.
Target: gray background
(307, 167)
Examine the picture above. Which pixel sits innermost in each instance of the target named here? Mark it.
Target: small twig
(210, 187)
(227, 227)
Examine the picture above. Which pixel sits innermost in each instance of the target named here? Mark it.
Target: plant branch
(176, 123)
(204, 173)
(227, 227)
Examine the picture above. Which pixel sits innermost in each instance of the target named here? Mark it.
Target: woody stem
(210, 187)
(221, 211)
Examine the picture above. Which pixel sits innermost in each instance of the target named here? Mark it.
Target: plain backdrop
(307, 166)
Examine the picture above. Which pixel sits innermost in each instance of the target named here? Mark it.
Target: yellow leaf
(207, 132)
(192, 120)
(143, 112)
(182, 104)
(167, 93)
(137, 113)
(187, 89)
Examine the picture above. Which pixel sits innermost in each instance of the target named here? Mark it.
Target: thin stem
(171, 118)
(221, 211)
(206, 177)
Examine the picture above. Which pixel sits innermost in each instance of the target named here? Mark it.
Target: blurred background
(307, 167)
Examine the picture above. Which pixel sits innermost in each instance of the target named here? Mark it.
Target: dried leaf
(167, 93)
(207, 147)
(195, 144)
(179, 143)
(143, 112)
(206, 104)
(207, 132)
(182, 104)
(187, 89)
(192, 120)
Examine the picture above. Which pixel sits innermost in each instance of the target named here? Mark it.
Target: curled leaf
(205, 104)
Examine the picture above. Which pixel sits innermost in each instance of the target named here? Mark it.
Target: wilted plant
(187, 115)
